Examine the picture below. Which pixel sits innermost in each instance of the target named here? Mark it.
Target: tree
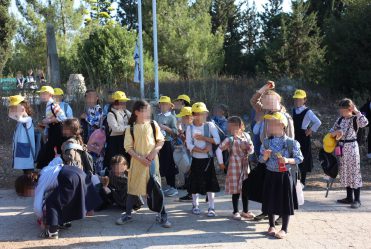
(101, 12)
(127, 13)
(271, 21)
(7, 31)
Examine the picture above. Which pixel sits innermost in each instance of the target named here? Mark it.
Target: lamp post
(141, 49)
(155, 50)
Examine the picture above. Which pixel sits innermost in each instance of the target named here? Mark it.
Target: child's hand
(308, 132)
(164, 127)
(45, 121)
(151, 156)
(283, 160)
(270, 85)
(208, 148)
(337, 134)
(144, 161)
(199, 137)
(267, 154)
(222, 166)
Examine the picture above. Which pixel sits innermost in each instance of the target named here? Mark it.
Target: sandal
(281, 234)
(247, 215)
(272, 231)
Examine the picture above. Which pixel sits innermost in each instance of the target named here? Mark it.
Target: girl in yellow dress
(143, 141)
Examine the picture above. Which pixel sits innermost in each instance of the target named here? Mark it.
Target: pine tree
(127, 13)
(250, 28)
(270, 19)
(7, 31)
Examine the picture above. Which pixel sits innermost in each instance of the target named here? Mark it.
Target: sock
(195, 200)
(211, 197)
(245, 198)
(357, 193)
(349, 193)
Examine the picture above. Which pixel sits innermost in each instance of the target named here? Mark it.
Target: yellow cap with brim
(165, 100)
(185, 111)
(329, 143)
(120, 96)
(300, 94)
(199, 107)
(15, 100)
(184, 97)
(46, 89)
(58, 92)
(277, 116)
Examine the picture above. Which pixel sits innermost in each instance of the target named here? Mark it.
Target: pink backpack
(97, 141)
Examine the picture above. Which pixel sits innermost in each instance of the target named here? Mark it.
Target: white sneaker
(211, 212)
(196, 210)
(171, 192)
(237, 216)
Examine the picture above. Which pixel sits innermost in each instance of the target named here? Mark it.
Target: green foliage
(127, 14)
(7, 31)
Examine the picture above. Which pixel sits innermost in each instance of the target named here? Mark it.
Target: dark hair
(25, 183)
(224, 109)
(74, 125)
(27, 107)
(346, 103)
(118, 160)
(236, 120)
(186, 103)
(93, 91)
(138, 106)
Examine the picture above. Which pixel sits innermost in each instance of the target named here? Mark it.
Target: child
(167, 122)
(305, 123)
(72, 134)
(199, 138)
(107, 106)
(92, 117)
(58, 97)
(183, 100)
(220, 117)
(240, 146)
(366, 110)
(345, 130)
(279, 153)
(181, 151)
(24, 137)
(54, 116)
(143, 141)
(117, 120)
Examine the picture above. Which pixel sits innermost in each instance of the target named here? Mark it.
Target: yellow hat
(120, 96)
(199, 107)
(165, 99)
(58, 92)
(184, 97)
(46, 89)
(277, 116)
(329, 143)
(15, 100)
(185, 111)
(300, 94)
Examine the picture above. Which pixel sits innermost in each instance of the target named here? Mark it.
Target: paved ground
(321, 223)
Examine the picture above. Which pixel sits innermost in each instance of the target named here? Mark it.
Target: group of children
(183, 139)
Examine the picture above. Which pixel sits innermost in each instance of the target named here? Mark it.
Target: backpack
(155, 196)
(329, 163)
(38, 138)
(105, 125)
(361, 132)
(86, 158)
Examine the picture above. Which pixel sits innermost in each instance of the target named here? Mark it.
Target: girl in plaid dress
(240, 147)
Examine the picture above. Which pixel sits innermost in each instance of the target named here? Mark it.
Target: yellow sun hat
(300, 94)
(15, 100)
(58, 92)
(46, 89)
(199, 107)
(329, 143)
(184, 97)
(185, 111)
(165, 100)
(120, 96)
(277, 116)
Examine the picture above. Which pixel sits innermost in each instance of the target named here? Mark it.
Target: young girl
(345, 130)
(72, 134)
(305, 123)
(58, 97)
(280, 153)
(24, 137)
(183, 100)
(199, 138)
(92, 117)
(240, 146)
(167, 122)
(181, 152)
(117, 120)
(143, 141)
(54, 116)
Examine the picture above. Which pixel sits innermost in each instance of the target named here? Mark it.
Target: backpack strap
(29, 140)
(355, 124)
(290, 146)
(51, 108)
(65, 108)
(266, 144)
(207, 129)
(153, 126)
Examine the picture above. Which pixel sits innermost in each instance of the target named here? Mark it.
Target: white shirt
(48, 180)
(309, 119)
(191, 142)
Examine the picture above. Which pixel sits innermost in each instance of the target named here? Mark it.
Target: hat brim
(165, 102)
(299, 97)
(15, 103)
(122, 100)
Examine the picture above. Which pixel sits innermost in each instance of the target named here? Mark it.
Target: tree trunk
(53, 60)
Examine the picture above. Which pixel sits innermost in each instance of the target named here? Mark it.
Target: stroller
(330, 167)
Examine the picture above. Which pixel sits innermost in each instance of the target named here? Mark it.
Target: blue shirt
(67, 109)
(221, 122)
(279, 145)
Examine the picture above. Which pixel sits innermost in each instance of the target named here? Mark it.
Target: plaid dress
(239, 148)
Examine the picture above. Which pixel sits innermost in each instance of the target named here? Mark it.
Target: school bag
(361, 132)
(86, 158)
(105, 125)
(328, 163)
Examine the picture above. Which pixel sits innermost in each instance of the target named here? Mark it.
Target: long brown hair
(74, 126)
(27, 107)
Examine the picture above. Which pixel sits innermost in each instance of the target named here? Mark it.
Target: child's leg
(170, 180)
(350, 193)
(195, 200)
(129, 204)
(285, 222)
(357, 193)
(245, 198)
(211, 197)
(272, 218)
(235, 199)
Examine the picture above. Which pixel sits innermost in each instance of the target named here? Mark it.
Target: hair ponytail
(138, 106)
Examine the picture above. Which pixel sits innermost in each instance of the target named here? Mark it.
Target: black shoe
(65, 225)
(185, 198)
(345, 201)
(207, 199)
(356, 205)
(260, 217)
(278, 222)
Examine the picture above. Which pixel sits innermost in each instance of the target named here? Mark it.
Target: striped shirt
(54, 110)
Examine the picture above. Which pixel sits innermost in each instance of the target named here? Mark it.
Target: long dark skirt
(279, 194)
(55, 140)
(203, 177)
(167, 164)
(115, 146)
(255, 183)
(306, 150)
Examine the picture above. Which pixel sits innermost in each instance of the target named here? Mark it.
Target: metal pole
(141, 49)
(155, 50)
